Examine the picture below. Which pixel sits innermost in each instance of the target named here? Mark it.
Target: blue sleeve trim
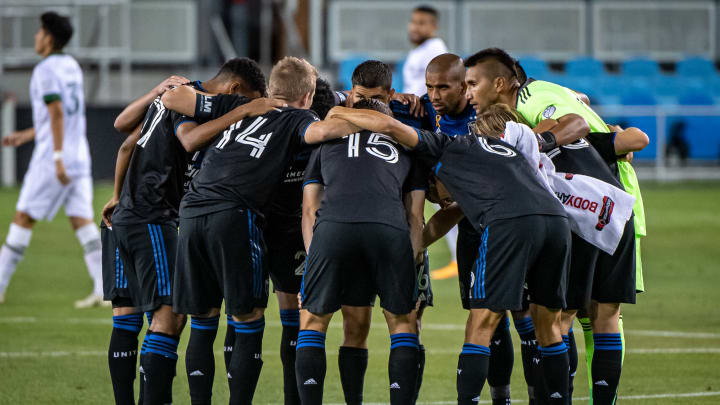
(182, 122)
(614, 134)
(419, 134)
(302, 136)
(437, 167)
(310, 182)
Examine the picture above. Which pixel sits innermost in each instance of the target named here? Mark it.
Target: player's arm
(19, 138)
(327, 130)
(414, 212)
(414, 103)
(133, 114)
(121, 165)
(629, 140)
(441, 223)
(377, 122)
(312, 197)
(181, 99)
(55, 112)
(569, 128)
(199, 136)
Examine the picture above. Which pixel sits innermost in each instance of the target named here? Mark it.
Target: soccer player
(143, 212)
(220, 248)
(422, 32)
(361, 246)
(372, 80)
(528, 239)
(59, 172)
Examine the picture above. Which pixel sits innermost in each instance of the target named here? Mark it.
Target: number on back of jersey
(258, 143)
(383, 147)
(152, 122)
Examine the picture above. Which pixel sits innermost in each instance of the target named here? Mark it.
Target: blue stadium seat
(639, 96)
(346, 68)
(397, 82)
(701, 133)
(696, 66)
(535, 68)
(640, 68)
(584, 67)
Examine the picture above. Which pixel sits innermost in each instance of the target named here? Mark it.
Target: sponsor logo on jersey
(605, 213)
(549, 111)
(206, 104)
(577, 202)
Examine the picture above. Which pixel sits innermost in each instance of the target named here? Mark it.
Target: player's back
(364, 174)
(245, 163)
(59, 77)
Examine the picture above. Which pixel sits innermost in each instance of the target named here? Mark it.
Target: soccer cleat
(91, 301)
(449, 271)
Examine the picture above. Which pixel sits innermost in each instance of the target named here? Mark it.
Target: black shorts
(115, 280)
(599, 276)
(350, 263)
(221, 255)
(425, 294)
(148, 255)
(285, 258)
(532, 250)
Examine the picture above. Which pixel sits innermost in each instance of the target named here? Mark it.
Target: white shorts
(42, 195)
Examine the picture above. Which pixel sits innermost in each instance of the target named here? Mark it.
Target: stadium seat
(346, 68)
(640, 68)
(584, 67)
(640, 96)
(701, 133)
(696, 66)
(397, 82)
(535, 68)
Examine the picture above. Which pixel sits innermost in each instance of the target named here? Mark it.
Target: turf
(51, 353)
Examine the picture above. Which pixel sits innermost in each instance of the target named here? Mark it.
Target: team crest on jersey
(549, 112)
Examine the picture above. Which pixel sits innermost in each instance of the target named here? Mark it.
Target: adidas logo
(394, 386)
(602, 382)
(556, 395)
(310, 381)
(476, 399)
(197, 373)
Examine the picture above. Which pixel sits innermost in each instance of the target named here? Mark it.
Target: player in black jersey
(145, 228)
(524, 239)
(361, 246)
(221, 247)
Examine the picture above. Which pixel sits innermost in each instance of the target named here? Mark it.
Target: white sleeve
(48, 83)
(523, 139)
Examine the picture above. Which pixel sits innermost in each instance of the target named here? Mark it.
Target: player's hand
(61, 174)
(416, 106)
(15, 139)
(615, 128)
(299, 298)
(169, 83)
(627, 158)
(545, 125)
(108, 210)
(262, 106)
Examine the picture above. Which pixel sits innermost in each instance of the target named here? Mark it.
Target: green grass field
(51, 353)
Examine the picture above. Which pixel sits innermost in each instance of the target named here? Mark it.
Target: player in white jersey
(59, 172)
(422, 31)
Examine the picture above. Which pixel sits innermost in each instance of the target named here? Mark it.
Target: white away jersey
(416, 63)
(59, 76)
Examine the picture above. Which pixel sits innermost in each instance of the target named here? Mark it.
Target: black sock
(500, 368)
(573, 359)
(246, 361)
(402, 367)
(554, 366)
(159, 358)
(290, 319)
(200, 359)
(421, 370)
(122, 356)
(529, 353)
(229, 343)
(310, 366)
(606, 367)
(352, 362)
(471, 373)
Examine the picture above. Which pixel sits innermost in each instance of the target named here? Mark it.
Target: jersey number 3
(388, 153)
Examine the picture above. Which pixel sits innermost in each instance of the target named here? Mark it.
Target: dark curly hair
(372, 104)
(58, 27)
(324, 98)
(248, 70)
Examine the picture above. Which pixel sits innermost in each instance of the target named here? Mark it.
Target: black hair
(248, 70)
(520, 72)
(426, 9)
(58, 27)
(506, 63)
(371, 74)
(324, 98)
(372, 104)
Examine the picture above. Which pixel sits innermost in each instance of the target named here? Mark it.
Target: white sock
(18, 238)
(451, 239)
(89, 238)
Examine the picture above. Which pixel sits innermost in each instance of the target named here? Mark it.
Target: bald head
(448, 64)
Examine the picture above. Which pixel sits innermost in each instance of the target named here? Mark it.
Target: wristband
(547, 141)
(57, 155)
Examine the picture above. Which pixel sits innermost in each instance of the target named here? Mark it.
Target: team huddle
(225, 184)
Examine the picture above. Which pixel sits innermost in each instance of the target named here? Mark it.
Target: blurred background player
(59, 172)
(422, 31)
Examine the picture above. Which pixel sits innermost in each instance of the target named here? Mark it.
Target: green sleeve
(544, 104)
(49, 98)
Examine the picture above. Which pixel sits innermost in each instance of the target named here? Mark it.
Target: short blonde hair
(291, 78)
(491, 122)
